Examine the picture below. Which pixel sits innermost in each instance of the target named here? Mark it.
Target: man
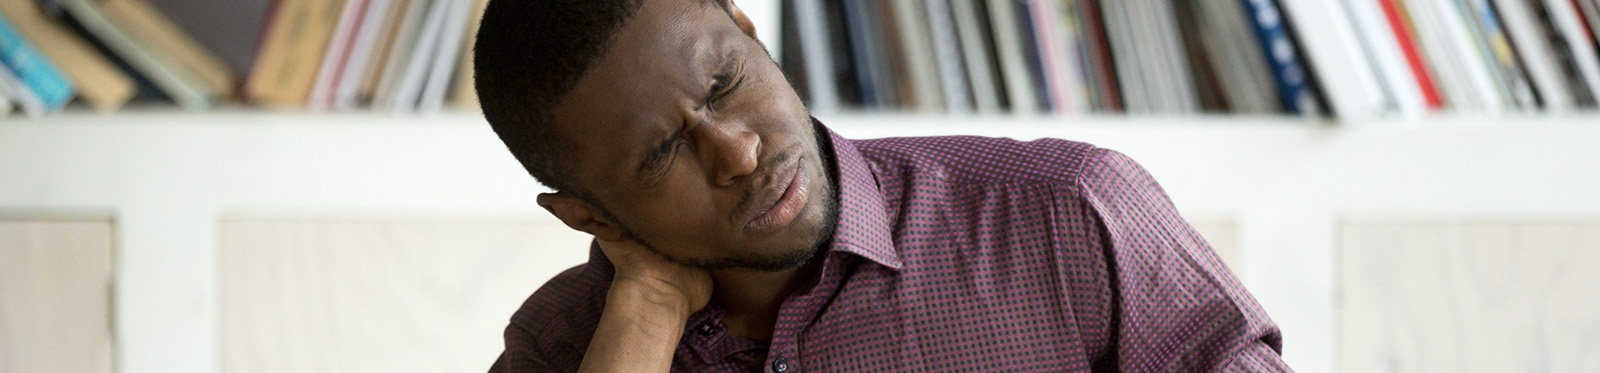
(735, 233)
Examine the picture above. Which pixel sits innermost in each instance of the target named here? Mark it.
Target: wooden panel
(1470, 297)
(362, 296)
(55, 297)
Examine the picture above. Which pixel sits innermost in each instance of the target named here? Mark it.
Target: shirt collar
(864, 226)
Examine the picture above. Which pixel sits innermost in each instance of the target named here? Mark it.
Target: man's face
(692, 142)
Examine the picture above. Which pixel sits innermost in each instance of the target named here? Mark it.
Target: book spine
(13, 87)
(1383, 46)
(952, 73)
(1408, 45)
(1013, 64)
(1502, 58)
(447, 55)
(336, 56)
(864, 52)
(1537, 55)
(1280, 51)
(182, 88)
(818, 61)
(1565, 19)
(36, 71)
(975, 51)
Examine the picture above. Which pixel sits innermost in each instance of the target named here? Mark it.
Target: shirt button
(781, 365)
(706, 329)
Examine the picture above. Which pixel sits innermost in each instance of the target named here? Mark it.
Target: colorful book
(336, 57)
(167, 76)
(1536, 53)
(1502, 59)
(1243, 75)
(414, 79)
(1108, 96)
(149, 27)
(399, 57)
(98, 81)
(1406, 38)
(376, 65)
(296, 38)
(1291, 75)
(16, 90)
(33, 69)
(357, 68)
(1063, 80)
(1383, 47)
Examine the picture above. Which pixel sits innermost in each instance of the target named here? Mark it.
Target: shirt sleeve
(520, 354)
(1176, 307)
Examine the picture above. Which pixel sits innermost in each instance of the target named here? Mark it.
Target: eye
(722, 85)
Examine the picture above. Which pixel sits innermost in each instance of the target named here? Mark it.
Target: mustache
(748, 196)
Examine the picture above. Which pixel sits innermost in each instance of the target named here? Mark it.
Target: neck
(752, 298)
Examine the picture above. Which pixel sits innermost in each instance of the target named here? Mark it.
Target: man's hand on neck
(649, 302)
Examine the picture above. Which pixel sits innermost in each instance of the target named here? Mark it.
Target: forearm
(638, 331)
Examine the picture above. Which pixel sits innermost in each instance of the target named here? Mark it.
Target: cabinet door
(380, 296)
(1470, 297)
(55, 296)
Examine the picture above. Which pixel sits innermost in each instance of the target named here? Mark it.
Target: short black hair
(528, 55)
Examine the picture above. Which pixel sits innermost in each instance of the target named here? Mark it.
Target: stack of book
(1356, 59)
(319, 55)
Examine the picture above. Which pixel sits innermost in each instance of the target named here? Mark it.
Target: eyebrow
(728, 65)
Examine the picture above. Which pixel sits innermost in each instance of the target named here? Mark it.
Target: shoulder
(556, 322)
(972, 159)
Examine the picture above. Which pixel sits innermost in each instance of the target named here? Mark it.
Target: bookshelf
(171, 179)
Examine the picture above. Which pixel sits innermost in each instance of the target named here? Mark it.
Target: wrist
(651, 298)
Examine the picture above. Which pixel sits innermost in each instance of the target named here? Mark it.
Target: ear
(741, 19)
(580, 215)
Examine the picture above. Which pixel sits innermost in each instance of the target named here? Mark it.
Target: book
(1178, 90)
(1243, 74)
(295, 40)
(1451, 21)
(174, 82)
(1291, 76)
(1064, 84)
(396, 62)
(866, 50)
(1030, 51)
(927, 92)
(1014, 71)
(13, 88)
(6, 104)
(895, 52)
(378, 62)
(1102, 69)
(1536, 53)
(1569, 24)
(39, 75)
(1502, 60)
(1401, 26)
(347, 87)
(148, 26)
(976, 50)
(1207, 82)
(1383, 46)
(1591, 15)
(97, 81)
(1564, 56)
(336, 57)
(465, 96)
(445, 57)
(947, 52)
(844, 68)
(408, 90)
(814, 45)
(1353, 89)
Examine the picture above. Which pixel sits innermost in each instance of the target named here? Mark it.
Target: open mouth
(788, 204)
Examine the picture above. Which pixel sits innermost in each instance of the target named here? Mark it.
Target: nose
(729, 152)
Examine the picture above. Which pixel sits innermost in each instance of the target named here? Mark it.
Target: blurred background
(307, 186)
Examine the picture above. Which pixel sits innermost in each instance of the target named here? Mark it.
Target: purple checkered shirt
(966, 254)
